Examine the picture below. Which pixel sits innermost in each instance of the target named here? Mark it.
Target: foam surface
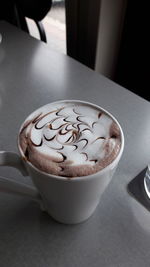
(59, 138)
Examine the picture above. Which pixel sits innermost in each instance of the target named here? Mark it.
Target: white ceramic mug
(68, 201)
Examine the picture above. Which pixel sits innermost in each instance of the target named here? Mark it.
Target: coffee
(70, 139)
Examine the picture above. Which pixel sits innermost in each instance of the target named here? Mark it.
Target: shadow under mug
(67, 200)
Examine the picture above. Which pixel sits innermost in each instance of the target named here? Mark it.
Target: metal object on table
(138, 188)
(147, 181)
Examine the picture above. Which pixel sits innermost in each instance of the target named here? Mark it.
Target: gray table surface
(118, 233)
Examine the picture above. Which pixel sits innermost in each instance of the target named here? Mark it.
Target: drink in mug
(70, 139)
(70, 149)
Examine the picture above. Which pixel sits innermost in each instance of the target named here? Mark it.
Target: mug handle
(9, 186)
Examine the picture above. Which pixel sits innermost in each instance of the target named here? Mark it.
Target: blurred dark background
(132, 69)
(108, 36)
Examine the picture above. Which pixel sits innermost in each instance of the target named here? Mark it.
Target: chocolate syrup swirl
(67, 136)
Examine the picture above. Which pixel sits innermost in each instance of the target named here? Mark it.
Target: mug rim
(76, 178)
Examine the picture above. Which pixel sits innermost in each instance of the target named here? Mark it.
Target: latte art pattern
(70, 139)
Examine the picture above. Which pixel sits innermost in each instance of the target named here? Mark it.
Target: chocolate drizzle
(36, 118)
(95, 160)
(58, 127)
(74, 125)
(64, 157)
(83, 124)
(76, 112)
(65, 132)
(49, 139)
(65, 119)
(75, 147)
(40, 144)
(99, 114)
(78, 119)
(113, 136)
(71, 138)
(86, 129)
(99, 138)
(83, 140)
(56, 148)
(68, 137)
(57, 113)
(94, 123)
(39, 128)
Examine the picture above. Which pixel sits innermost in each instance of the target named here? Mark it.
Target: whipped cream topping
(70, 139)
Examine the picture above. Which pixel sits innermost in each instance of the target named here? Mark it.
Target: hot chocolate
(70, 139)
